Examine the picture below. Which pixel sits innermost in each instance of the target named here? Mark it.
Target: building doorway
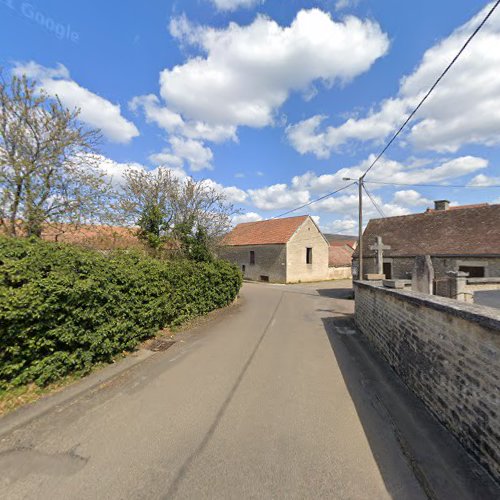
(387, 268)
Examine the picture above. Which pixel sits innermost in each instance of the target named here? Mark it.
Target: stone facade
(285, 262)
(270, 261)
(297, 269)
(447, 352)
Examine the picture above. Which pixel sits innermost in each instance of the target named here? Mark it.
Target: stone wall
(270, 261)
(447, 352)
(339, 273)
(402, 267)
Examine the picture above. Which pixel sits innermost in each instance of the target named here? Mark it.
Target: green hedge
(64, 308)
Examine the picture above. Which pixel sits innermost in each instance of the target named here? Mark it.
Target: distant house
(285, 250)
(340, 255)
(463, 238)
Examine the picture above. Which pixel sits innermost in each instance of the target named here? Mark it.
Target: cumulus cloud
(484, 180)
(411, 198)
(231, 5)
(247, 217)
(303, 188)
(115, 171)
(346, 4)
(387, 170)
(233, 194)
(342, 226)
(173, 122)
(184, 152)
(277, 196)
(462, 110)
(95, 110)
(248, 72)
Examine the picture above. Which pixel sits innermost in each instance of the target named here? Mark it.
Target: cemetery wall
(402, 267)
(447, 352)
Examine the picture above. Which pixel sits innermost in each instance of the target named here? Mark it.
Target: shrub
(64, 308)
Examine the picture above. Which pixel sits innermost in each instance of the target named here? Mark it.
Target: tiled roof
(339, 256)
(471, 231)
(343, 243)
(94, 236)
(266, 232)
(331, 237)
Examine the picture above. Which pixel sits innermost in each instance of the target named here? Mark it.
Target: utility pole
(360, 228)
(360, 222)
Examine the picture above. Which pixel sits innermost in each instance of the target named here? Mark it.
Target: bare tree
(49, 170)
(191, 213)
(148, 201)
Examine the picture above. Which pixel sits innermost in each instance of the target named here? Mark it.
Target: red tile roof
(471, 231)
(339, 256)
(266, 232)
(343, 243)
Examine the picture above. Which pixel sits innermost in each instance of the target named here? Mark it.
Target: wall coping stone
(393, 284)
(477, 281)
(486, 317)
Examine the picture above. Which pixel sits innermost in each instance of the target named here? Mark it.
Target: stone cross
(379, 247)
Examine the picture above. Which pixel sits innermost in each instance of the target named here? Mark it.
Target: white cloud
(276, 197)
(462, 110)
(387, 170)
(114, 170)
(316, 218)
(233, 194)
(166, 159)
(309, 185)
(95, 110)
(247, 217)
(184, 151)
(231, 5)
(341, 226)
(345, 4)
(198, 156)
(173, 122)
(411, 198)
(484, 180)
(249, 71)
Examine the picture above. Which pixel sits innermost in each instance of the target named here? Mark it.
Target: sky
(275, 102)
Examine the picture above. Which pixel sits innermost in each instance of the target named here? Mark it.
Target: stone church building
(285, 250)
(462, 238)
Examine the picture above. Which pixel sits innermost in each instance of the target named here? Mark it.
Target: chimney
(441, 205)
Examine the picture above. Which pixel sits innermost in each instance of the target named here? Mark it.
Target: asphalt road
(279, 397)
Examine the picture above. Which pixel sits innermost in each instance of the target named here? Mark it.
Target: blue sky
(275, 102)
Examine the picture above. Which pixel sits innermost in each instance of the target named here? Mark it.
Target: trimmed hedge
(64, 308)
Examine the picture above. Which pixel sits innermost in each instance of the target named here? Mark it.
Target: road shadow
(398, 426)
(336, 293)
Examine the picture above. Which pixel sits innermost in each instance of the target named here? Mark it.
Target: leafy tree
(49, 170)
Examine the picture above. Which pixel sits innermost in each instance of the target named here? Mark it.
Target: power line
(434, 185)
(412, 114)
(314, 201)
(374, 203)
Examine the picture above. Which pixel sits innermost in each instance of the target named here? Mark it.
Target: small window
(252, 257)
(264, 278)
(474, 271)
(309, 255)
(243, 268)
